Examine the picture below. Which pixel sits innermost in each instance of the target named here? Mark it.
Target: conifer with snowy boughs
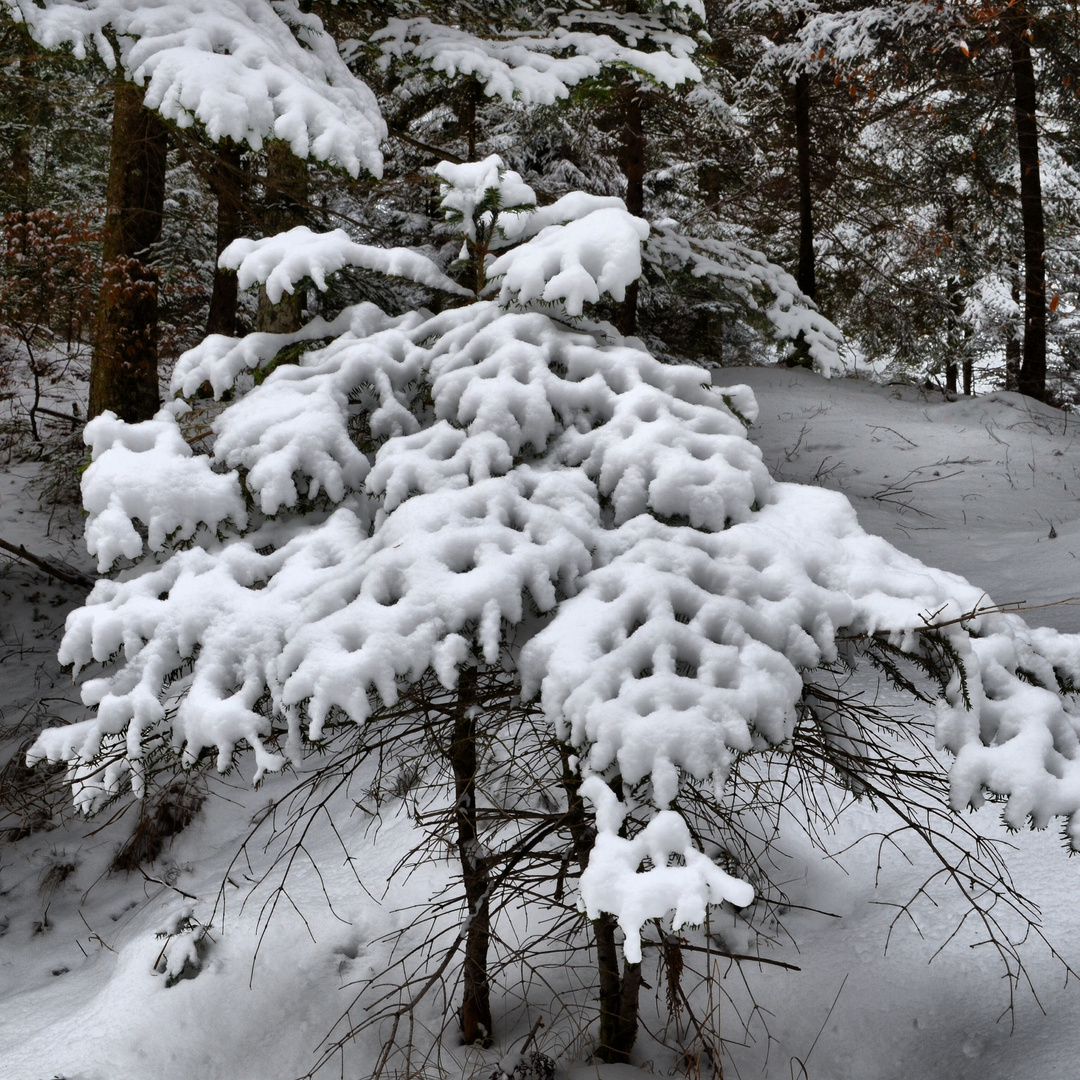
(509, 486)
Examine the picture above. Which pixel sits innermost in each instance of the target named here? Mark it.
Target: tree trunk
(955, 337)
(1012, 342)
(633, 160)
(123, 371)
(619, 991)
(286, 198)
(806, 276)
(229, 182)
(619, 994)
(1033, 367)
(476, 1000)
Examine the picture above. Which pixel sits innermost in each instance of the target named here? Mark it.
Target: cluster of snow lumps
(680, 457)
(1025, 743)
(574, 264)
(219, 360)
(1003, 712)
(563, 255)
(280, 262)
(539, 65)
(678, 878)
(685, 649)
(297, 423)
(444, 574)
(147, 473)
(244, 69)
(213, 613)
(485, 195)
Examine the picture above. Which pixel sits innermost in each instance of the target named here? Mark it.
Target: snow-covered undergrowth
(83, 996)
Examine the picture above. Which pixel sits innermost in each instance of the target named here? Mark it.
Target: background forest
(436, 566)
(874, 152)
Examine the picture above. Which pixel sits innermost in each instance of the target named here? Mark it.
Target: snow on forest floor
(975, 486)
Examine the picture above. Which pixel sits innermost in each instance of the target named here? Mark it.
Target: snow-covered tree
(510, 489)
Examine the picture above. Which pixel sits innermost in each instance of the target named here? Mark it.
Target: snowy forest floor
(988, 488)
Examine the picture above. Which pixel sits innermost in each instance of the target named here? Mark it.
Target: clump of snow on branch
(281, 261)
(422, 482)
(247, 71)
(574, 264)
(614, 881)
(474, 193)
(147, 472)
(541, 66)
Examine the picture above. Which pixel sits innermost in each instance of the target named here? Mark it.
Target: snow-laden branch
(846, 38)
(742, 270)
(575, 263)
(540, 67)
(247, 70)
(280, 262)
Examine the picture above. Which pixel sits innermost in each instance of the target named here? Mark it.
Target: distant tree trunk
(1033, 367)
(953, 337)
(286, 198)
(16, 184)
(619, 990)
(633, 160)
(1012, 342)
(476, 1000)
(123, 372)
(228, 182)
(473, 96)
(806, 276)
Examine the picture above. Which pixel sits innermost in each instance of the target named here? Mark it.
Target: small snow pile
(494, 485)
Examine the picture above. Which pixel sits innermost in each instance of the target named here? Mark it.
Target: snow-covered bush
(507, 490)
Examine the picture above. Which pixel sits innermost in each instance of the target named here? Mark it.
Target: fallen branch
(61, 573)
(73, 420)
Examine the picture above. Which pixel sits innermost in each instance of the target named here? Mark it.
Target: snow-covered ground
(988, 488)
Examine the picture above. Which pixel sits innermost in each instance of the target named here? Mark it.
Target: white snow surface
(972, 485)
(247, 70)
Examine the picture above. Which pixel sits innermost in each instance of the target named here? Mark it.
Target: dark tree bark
(476, 999)
(123, 372)
(619, 989)
(1012, 342)
(806, 276)
(229, 183)
(633, 161)
(1015, 24)
(284, 209)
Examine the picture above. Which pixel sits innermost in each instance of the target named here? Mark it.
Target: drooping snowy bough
(417, 488)
(246, 70)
